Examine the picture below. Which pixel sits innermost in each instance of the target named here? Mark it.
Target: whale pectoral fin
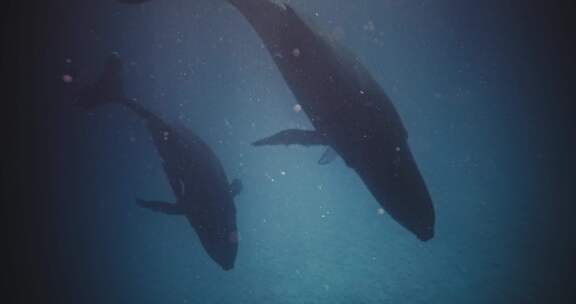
(236, 187)
(159, 206)
(172, 173)
(328, 156)
(293, 137)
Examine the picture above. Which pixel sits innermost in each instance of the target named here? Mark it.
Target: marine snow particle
(296, 52)
(67, 78)
(397, 149)
(297, 108)
(380, 211)
(270, 178)
(369, 26)
(283, 172)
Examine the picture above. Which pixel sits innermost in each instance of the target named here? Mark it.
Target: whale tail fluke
(108, 88)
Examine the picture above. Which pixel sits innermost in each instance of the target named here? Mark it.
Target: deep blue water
(466, 81)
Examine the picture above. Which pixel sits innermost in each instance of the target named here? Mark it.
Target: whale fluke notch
(293, 137)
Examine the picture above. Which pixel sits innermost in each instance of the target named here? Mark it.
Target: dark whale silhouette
(349, 110)
(351, 113)
(195, 174)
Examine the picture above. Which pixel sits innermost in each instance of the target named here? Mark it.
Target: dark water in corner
(467, 79)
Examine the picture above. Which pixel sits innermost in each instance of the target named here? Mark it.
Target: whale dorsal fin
(328, 156)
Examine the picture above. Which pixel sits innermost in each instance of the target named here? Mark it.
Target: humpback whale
(195, 174)
(350, 112)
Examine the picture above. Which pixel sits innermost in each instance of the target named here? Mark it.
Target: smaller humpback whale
(203, 194)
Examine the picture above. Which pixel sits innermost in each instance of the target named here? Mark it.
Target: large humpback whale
(350, 112)
(195, 174)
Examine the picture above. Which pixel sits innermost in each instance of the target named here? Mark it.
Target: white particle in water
(369, 26)
(296, 52)
(270, 177)
(67, 78)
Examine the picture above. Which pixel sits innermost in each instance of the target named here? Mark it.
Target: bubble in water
(296, 52)
(67, 78)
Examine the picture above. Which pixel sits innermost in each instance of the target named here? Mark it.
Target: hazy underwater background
(483, 87)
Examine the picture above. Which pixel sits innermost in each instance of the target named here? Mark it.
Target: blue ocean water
(462, 77)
